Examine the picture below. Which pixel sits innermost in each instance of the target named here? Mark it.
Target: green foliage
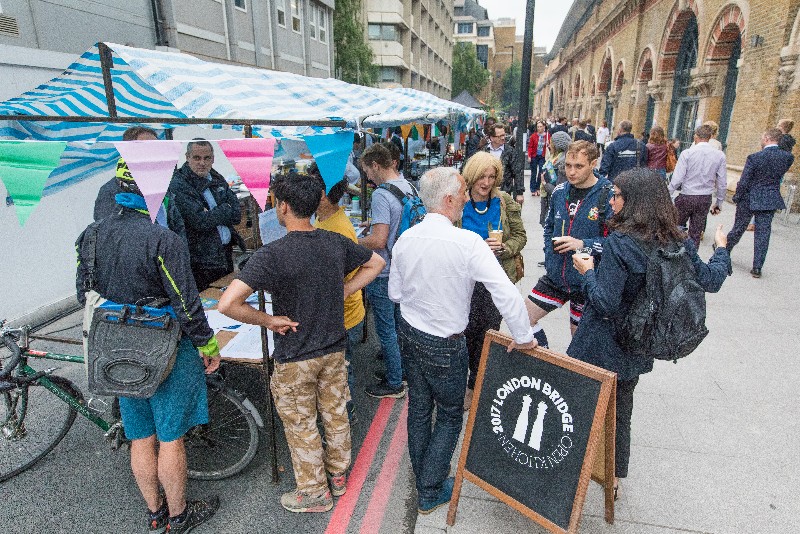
(512, 78)
(352, 54)
(468, 73)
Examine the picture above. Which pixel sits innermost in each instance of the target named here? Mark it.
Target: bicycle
(37, 409)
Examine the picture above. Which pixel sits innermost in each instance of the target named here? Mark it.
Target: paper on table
(246, 344)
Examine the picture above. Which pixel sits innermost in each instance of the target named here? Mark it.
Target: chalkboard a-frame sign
(537, 423)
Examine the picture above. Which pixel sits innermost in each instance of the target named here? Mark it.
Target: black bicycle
(37, 409)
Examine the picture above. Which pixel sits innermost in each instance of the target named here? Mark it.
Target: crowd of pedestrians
(434, 289)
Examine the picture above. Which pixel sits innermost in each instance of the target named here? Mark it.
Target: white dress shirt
(434, 269)
(496, 152)
(701, 170)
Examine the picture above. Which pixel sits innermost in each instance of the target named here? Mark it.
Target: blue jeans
(354, 336)
(537, 165)
(436, 369)
(386, 313)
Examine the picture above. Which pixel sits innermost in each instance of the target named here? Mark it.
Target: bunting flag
(420, 131)
(24, 168)
(331, 151)
(427, 132)
(252, 160)
(151, 164)
(378, 132)
(406, 130)
(414, 132)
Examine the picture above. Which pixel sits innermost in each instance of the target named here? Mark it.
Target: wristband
(210, 349)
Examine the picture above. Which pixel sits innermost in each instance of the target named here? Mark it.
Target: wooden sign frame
(598, 462)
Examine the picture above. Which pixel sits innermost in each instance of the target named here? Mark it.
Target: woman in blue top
(489, 208)
(643, 213)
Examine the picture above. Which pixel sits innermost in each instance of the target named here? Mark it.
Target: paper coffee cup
(496, 234)
(583, 255)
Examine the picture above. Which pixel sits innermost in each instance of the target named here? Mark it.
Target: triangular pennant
(151, 164)
(331, 152)
(435, 131)
(252, 160)
(24, 168)
(405, 130)
(414, 132)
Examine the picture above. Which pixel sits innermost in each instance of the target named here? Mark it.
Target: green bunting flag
(414, 132)
(24, 168)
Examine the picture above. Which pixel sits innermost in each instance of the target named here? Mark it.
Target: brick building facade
(677, 63)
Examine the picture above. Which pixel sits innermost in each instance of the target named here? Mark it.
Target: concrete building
(40, 39)
(412, 43)
(677, 63)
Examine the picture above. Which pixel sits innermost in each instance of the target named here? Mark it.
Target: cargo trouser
(299, 389)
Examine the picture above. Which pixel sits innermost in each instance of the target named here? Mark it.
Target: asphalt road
(84, 487)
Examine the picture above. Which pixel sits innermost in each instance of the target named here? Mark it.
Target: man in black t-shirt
(304, 272)
(576, 219)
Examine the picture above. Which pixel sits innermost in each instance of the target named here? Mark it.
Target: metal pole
(525, 86)
(171, 120)
(106, 63)
(262, 306)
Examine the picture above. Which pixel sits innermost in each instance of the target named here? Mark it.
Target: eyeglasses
(616, 196)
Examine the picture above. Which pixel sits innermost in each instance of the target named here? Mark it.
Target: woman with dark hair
(657, 149)
(538, 144)
(644, 218)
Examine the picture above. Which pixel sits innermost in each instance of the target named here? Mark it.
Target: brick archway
(728, 28)
(645, 68)
(671, 44)
(604, 84)
(619, 77)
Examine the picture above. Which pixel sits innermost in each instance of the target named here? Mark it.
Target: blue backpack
(413, 208)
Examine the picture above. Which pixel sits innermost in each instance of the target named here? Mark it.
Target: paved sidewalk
(715, 437)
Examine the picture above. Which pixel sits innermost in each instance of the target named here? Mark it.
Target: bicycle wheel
(33, 420)
(225, 445)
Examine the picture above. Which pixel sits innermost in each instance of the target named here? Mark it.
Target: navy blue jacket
(205, 246)
(621, 156)
(586, 225)
(610, 290)
(760, 184)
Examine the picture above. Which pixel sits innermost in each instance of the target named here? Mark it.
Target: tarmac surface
(714, 438)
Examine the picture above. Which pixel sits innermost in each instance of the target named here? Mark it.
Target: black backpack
(667, 318)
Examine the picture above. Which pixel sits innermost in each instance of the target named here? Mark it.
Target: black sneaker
(380, 376)
(382, 390)
(196, 513)
(157, 521)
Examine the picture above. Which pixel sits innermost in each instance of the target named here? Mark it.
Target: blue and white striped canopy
(149, 83)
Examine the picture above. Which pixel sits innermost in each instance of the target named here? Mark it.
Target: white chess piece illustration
(538, 427)
(522, 420)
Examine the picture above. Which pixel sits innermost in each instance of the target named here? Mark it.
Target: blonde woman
(489, 208)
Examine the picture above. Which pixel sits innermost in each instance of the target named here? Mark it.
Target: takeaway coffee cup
(583, 253)
(496, 234)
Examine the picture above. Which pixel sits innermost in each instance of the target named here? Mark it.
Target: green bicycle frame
(26, 370)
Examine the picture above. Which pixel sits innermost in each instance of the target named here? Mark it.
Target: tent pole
(106, 62)
(173, 120)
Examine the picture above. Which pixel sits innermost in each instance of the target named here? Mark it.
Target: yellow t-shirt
(353, 305)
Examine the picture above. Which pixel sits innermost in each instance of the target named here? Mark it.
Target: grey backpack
(129, 349)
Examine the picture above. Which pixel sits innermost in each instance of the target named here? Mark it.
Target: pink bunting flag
(252, 160)
(151, 164)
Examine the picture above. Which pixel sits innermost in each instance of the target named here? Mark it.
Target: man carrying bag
(127, 259)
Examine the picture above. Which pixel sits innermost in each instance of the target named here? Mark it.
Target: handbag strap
(89, 253)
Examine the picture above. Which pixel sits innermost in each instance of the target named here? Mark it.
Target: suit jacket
(761, 179)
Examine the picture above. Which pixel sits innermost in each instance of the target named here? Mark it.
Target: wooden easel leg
(610, 437)
(453, 509)
(268, 393)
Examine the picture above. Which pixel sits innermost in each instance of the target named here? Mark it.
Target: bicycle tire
(227, 444)
(21, 446)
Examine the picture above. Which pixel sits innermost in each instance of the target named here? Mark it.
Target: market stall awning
(148, 84)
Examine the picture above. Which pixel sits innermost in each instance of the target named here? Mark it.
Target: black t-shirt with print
(575, 196)
(304, 272)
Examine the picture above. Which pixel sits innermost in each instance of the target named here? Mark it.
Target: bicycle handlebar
(11, 343)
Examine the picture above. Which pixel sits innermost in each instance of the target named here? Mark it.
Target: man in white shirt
(434, 269)
(701, 170)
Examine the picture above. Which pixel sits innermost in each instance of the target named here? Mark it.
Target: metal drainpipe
(158, 24)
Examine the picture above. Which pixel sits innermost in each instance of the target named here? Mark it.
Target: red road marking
(340, 519)
(376, 508)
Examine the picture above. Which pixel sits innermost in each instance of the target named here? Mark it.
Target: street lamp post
(512, 52)
(525, 84)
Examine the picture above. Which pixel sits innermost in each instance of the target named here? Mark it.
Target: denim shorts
(179, 403)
